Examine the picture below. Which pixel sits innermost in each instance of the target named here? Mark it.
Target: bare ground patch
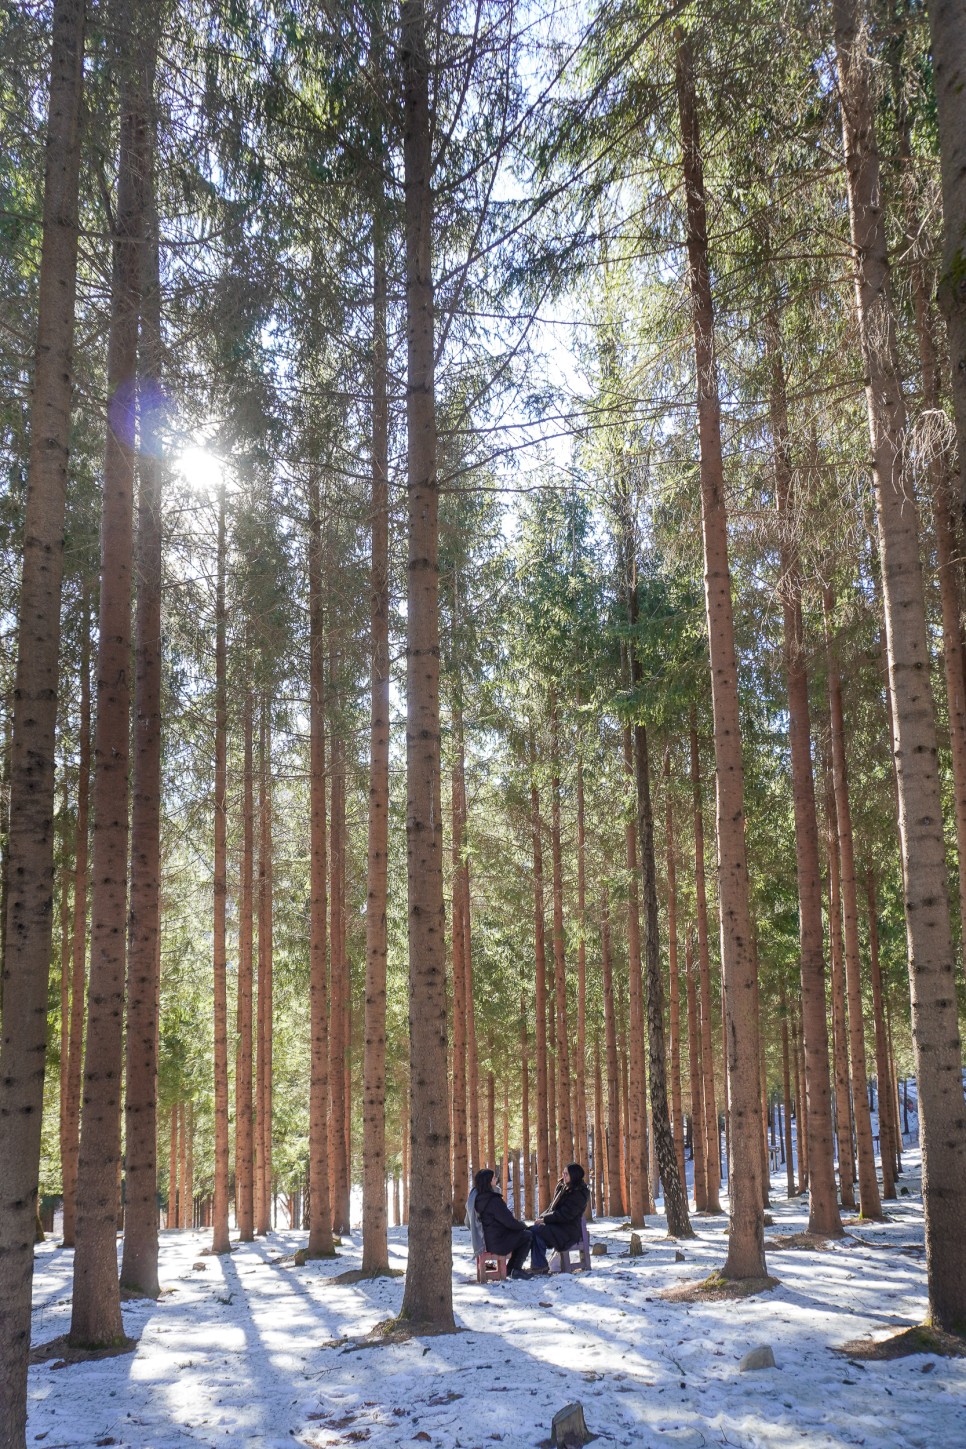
(364, 1275)
(716, 1289)
(59, 1353)
(804, 1242)
(920, 1339)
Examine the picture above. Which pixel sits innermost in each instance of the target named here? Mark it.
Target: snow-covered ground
(240, 1352)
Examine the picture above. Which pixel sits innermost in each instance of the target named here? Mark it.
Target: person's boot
(521, 1273)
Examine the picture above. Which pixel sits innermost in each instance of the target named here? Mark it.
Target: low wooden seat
(582, 1250)
(491, 1267)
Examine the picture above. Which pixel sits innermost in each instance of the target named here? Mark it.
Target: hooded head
(483, 1180)
(576, 1173)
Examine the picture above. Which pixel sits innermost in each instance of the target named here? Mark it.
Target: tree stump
(568, 1429)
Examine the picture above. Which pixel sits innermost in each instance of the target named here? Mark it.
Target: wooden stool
(491, 1267)
(582, 1249)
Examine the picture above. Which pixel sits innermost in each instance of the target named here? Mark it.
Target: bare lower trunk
(139, 1265)
(565, 1133)
(461, 1166)
(540, 957)
(840, 1048)
(635, 1123)
(746, 1253)
(320, 1243)
(823, 1210)
(699, 1136)
(96, 1306)
(529, 1206)
(29, 856)
(887, 1138)
(616, 1198)
(75, 1061)
(428, 1295)
(580, 1064)
(711, 1135)
(870, 1204)
(787, 1095)
(263, 1196)
(219, 1215)
(674, 981)
(935, 1026)
(244, 1125)
(375, 1247)
(339, 967)
(675, 1198)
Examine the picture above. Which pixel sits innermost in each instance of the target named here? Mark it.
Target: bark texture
(375, 1248)
(29, 865)
(428, 1294)
(96, 1306)
(746, 1253)
(139, 1264)
(320, 1243)
(823, 1210)
(949, 72)
(935, 1026)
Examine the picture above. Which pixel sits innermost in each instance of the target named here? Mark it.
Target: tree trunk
(529, 1206)
(184, 1221)
(787, 1095)
(870, 1204)
(699, 1136)
(948, 569)
(935, 1027)
(428, 1295)
(79, 942)
(746, 1253)
(220, 1242)
(675, 1197)
(615, 1194)
(601, 1175)
(29, 854)
(172, 1217)
(244, 1124)
(461, 1165)
(139, 1264)
(565, 1132)
(949, 72)
(823, 1209)
(320, 1243)
(29, 846)
(339, 1043)
(540, 958)
(674, 979)
(263, 1197)
(887, 1139)
(580, 1065)
(375, 1245)
(712, 1139)
(840, 1051)
(635, 1122)
(96, 1305)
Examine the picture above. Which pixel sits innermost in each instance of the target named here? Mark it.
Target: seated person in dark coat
(502, 1232)
(561, 1225)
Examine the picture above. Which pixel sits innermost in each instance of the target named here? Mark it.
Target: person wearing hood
(502, 1233)
(560, 1226)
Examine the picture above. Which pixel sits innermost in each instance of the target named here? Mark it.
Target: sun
(201, 470)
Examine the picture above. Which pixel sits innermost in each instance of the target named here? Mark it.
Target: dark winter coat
(561, 1224)
(502, 1232)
